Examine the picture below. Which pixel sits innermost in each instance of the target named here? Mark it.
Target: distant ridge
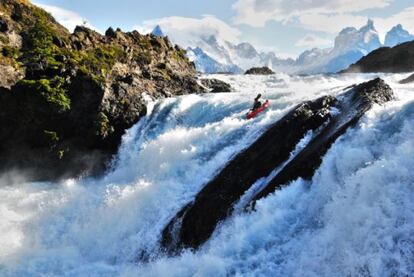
(397, 59)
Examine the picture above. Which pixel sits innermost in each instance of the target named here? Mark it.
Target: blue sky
(287, 27)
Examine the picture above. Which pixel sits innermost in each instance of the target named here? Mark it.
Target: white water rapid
(354, 218)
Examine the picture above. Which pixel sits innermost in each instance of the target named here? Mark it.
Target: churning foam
(355, 217)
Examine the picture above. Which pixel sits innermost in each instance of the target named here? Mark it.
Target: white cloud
(328, 16)
(67, 18)
(274, 49)
(405, 18)
(335, 23)
(187, 31)
(258, 12)
(330, 23)
(312, 41)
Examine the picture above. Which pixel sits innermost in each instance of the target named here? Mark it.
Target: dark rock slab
(407, 80)
(328, 117)
(214, 202)
(353, 105)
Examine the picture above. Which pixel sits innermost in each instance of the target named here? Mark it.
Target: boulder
(110, 32)
(215, 85)
(9, 76)
(259, 71)
(327, 118)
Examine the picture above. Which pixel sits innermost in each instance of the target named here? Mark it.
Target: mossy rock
(10, 52)
(143, 58)
(52, 91)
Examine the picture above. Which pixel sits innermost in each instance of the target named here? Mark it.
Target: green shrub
(180, 55)
(61, 154)
(52, 138)
(143, 58)
(97, 62)
(38, 46)
(51, 90)
(144, 43)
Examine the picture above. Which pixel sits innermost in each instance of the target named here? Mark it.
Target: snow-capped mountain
(311, 56)
(157, 31)
(204, 63)
(364, 40)
(350, 45)
(397, 35)
(212, 54)
(229, 57)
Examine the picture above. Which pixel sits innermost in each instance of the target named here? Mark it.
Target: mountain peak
(397, 35)
(365, 39)
(398, 27)
(157, 31)
(348, 30)
(368, 27)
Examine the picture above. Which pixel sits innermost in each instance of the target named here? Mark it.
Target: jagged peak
(157, 31)
(348, 30)
(368, 27)
(398, 28)
(84, 29)
(245, 45)
(397, 35)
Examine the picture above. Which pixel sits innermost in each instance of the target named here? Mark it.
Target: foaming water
(353, 218)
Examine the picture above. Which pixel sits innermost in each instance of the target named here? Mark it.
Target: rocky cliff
(66, 99)
(272, 161)
(391, 60)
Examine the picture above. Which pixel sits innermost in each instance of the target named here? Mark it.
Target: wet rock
(352, 106)
(259, 71)
(327, 117)
(407, 80)
(215, 85)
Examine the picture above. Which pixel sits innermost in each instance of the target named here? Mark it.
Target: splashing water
(354, 218)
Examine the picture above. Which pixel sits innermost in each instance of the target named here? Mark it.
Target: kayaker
(257, 104)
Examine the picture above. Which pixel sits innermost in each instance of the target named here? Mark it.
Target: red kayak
(253, 114)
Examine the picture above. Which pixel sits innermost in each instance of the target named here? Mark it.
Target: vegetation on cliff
(66, 99)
